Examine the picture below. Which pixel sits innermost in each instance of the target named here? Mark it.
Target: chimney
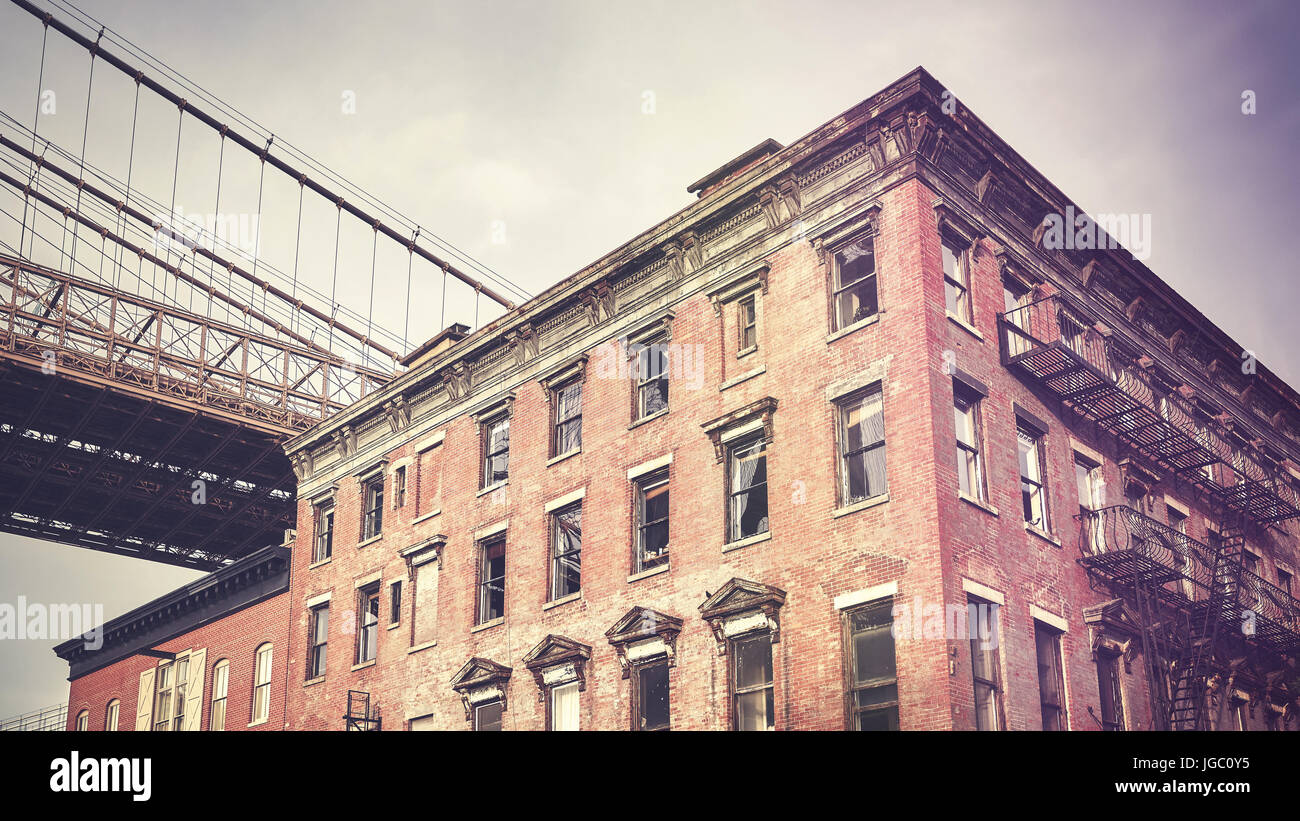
(716, 179)
(445, 339)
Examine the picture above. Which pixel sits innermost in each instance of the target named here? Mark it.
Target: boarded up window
(425, 601)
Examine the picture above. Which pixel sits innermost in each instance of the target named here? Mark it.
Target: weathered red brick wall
(235, 638)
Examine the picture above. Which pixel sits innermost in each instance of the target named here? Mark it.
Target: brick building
(207, 656)
(769, 463)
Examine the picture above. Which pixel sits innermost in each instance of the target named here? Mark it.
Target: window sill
(363, 665)
(741, 354)
(371, 540)
(258, 723)
(964, 325)
(856, 326)
(984, 506)
(426, 516)
(744, 377)
(488, 625)
(564, 600)
(417, 648)
(645, 574)
(320, 563)
(865, 504)
(485, 491)
(308, 683)
(747, 541)
(557, 459)
(1042, 534)
(394, 624)
(649, 418)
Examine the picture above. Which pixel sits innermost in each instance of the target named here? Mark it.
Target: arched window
(110, 716)
(220, 683)
(83, 721)
(262, 684)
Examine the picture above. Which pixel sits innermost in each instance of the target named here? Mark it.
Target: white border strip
(1049, 618)
(983, 591)
(880, 591)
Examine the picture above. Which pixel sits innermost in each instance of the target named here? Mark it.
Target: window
(399, 487)
(1051, 686)
(751, 682)
(747, 507)
(854, 284)
(372, 522)
(651, 689)
(492, 581)
(566, 551)
(1015, 302)
(496, 451)
(1112, 694)
(966, 414)
(323, 547)
(1182, 550)
(564, 707)
(1088, 480)
(367, 622)
(652, 377)
(262, 684)
(651, 521)
(169, 694)
(1239, 714)
(320, 624)
(1033, 491)
(956, 282)
(873, 676)
(747, 324)
(394, 603)
(984, 666)
(220, 685)
(487, 717)
(111, 715)
(83, 721)
(862, 446)
(1284, 581)
(567, 407)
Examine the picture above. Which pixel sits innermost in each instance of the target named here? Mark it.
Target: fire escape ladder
(1193, 668)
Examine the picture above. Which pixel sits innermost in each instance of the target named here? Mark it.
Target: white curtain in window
(564, 707)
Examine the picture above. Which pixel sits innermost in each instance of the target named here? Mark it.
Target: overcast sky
(520, 132)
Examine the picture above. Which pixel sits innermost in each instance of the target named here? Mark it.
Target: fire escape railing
(1055, 343)
(1128, 549)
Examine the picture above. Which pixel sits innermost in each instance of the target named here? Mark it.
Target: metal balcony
(1129, 549)
(1054, 343)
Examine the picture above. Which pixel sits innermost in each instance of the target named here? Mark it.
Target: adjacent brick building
(207, 656)
(766, 464)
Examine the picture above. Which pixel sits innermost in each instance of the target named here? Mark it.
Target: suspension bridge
(151, 363)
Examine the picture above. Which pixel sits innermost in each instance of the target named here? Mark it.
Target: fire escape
(1195, 603)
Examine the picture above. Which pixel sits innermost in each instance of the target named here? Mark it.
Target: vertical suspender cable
(40, 80)
(442, 321)
(297, 246)
(257, 235)
(216, 219)
(370, 312)
(171, 209)
(130, 166)
(410, 259)
(85, 130)
(334, 280)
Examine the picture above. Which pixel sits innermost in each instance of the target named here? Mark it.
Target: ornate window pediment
(558, 660)
(424, 552)
(1114, 627)
(739, 422)
(480, 681)
(642, 634)
(742, 606)
(842, 229)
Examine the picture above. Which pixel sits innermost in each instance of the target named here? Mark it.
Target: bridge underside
(87, 462)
